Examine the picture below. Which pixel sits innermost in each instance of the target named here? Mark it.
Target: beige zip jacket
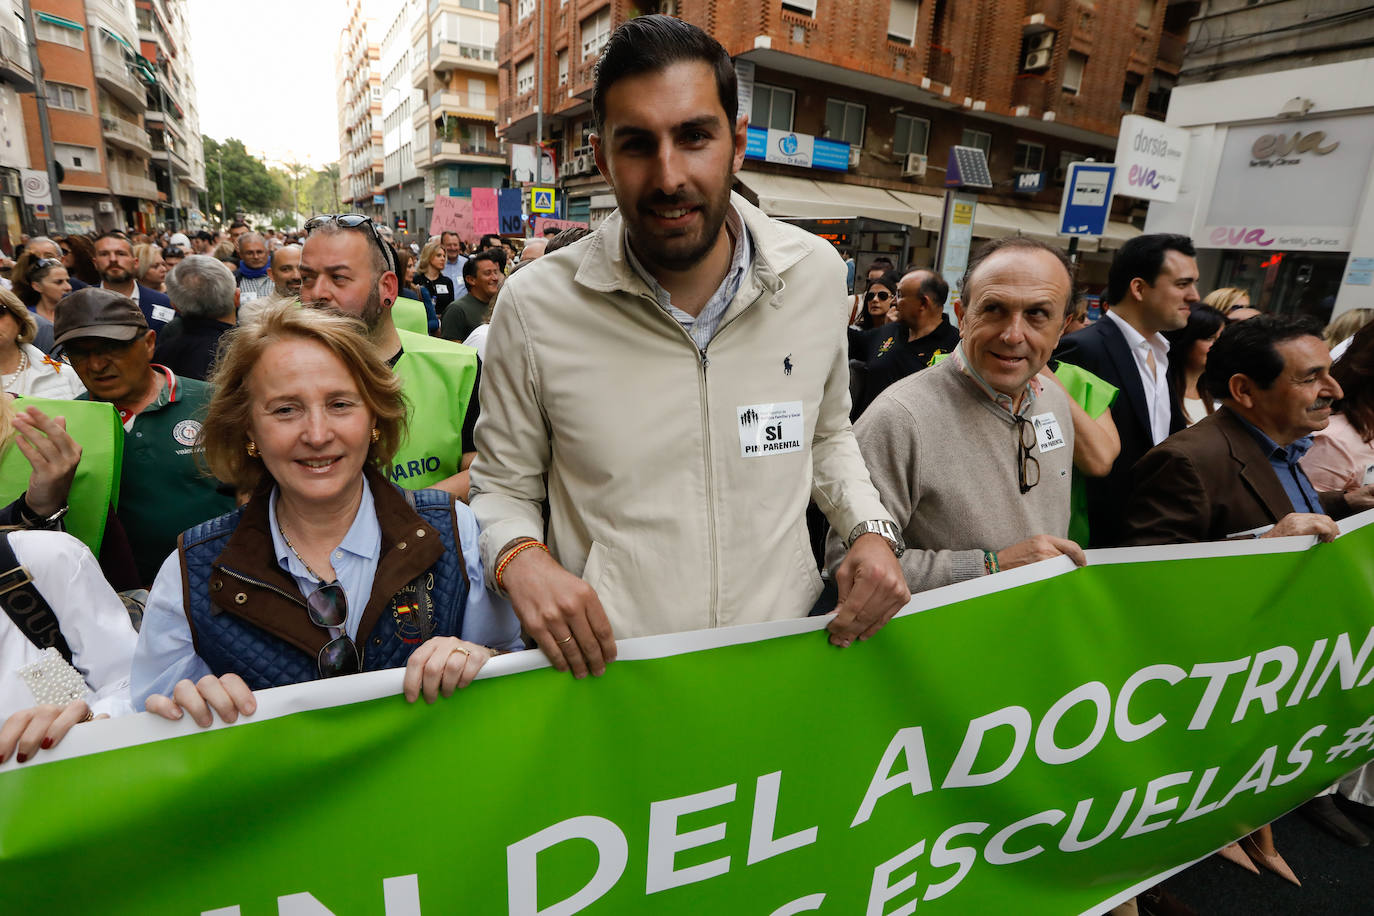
(596, 400)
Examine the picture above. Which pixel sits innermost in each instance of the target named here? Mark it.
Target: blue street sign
(1087, 202)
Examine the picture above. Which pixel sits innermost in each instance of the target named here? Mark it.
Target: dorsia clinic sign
(1149, 158)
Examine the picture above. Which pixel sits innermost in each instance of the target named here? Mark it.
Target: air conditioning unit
(914, 166)
(1042, 41)
(854, 153)
(105, 206)
(564, 169)
(9, 184)
(585, 164)
(1037, 60)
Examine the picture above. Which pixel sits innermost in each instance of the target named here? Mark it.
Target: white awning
(783, 195)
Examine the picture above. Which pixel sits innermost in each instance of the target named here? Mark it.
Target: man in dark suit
(1237, 471)
(114, 258)
(1151, 286)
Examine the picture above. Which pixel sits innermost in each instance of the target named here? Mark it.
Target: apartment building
(357, 67)
(16, 76)
(110, 68)
(885, 87)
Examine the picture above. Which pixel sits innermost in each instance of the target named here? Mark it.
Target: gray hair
(201, 287)
(249, 237)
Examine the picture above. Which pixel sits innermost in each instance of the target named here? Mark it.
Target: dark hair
(933, 286)
(115, 234)
(551, 231)
(1203, 322)
(491, 254)
(1017, 243)
(1143, 257)
(490, 240)
(880, 263)
(1354, 372)
(1250, 348)
(83, 259)
(649, 44)
(239, 224)
(889, 279)
(566, 238)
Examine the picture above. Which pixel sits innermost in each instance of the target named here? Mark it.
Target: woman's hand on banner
(442, 665)
(39, 728)
(227, 696)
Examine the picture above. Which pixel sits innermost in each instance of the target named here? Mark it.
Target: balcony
(116, 78)
(941, 67)
(461, 105)
(450, 55)
(126, 135)
(1032, 91)
(455, 151)
(132, 185)
(14, 62)
(419, 74)
(510, 111)
(1171, 49)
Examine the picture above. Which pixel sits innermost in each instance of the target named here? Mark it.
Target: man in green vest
(162, 489)
(346, 265)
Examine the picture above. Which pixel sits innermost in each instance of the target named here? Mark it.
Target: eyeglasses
(328, 610)
(1027, 465)
(356, 221)
(881, 295)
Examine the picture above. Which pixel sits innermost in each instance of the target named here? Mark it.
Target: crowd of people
(254, 459)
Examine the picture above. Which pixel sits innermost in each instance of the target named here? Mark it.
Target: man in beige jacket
(675, 386)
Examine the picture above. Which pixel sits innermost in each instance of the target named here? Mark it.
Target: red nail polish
(22, 757)
(47, 743)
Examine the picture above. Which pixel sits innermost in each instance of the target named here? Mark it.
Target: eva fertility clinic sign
(1149, 158)
(1057, 736)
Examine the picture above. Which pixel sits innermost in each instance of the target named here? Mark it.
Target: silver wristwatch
(881, 527)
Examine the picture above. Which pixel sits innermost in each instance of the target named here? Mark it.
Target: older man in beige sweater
(974, 457)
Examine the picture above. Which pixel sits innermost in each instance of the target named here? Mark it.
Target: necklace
(12, 377)
(319, 578)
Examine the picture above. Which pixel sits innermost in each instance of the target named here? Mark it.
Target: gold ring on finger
(461, 649)
(567, 638)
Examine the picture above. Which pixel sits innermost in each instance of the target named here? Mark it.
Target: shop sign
(1149, 158)
(1311, 203)
(791, 148)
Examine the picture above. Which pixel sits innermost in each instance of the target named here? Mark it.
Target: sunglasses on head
(356, 221)
(41, 265)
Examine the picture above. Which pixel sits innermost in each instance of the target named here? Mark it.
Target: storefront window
(1284, 283)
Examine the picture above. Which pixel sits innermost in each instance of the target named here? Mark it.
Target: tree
(248, 185)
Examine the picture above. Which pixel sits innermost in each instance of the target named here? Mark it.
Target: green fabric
(437, 377)
(409, 315)
(50, 19)
(164, 490)
(95, 427)
(1095, 397)
(1153, 709)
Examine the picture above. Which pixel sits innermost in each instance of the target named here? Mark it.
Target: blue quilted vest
(431, 604)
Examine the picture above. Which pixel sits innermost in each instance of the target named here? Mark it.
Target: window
(486, 6)
(901, 21)
(596, 31)
(1065, 160)
(805, 7)
(77, 158)
(477, 93)
(978, 138)
(563, 67)
(1073, 71)
(1030, 157)
(524, 76)
(1129, 90)
(1161, 87)
(911, 136)
(524, 9)
(772, 107)
(70, 35)
(476, 38)
(845, 121)
(71, 98)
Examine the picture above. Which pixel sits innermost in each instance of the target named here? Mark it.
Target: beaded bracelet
(501, 567)
(990, 564)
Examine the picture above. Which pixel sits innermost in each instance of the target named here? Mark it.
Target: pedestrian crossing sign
(541, 200)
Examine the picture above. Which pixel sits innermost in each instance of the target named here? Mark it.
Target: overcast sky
(265, 74)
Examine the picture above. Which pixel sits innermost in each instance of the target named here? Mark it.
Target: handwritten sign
(543, 222)
(509, 207)
(484, 211)
(452, 214)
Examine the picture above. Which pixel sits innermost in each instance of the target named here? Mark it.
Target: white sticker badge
(770, 429)
(1047, 432)
(163, 313)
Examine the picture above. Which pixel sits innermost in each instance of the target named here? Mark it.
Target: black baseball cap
(96, 312)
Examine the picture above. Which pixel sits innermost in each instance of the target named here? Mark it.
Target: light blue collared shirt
(1284, 460)
(166, 653)
(703, 327)
(454, 271)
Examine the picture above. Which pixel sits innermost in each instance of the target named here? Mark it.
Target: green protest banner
(1053, 736)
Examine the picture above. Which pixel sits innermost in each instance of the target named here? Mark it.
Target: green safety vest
(95, 490)
(1095, 396)
(437, 378)
(409, 315)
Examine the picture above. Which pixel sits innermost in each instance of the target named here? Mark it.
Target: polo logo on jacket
(787, 364)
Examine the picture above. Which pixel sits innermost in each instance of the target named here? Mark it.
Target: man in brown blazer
(1237, 470)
